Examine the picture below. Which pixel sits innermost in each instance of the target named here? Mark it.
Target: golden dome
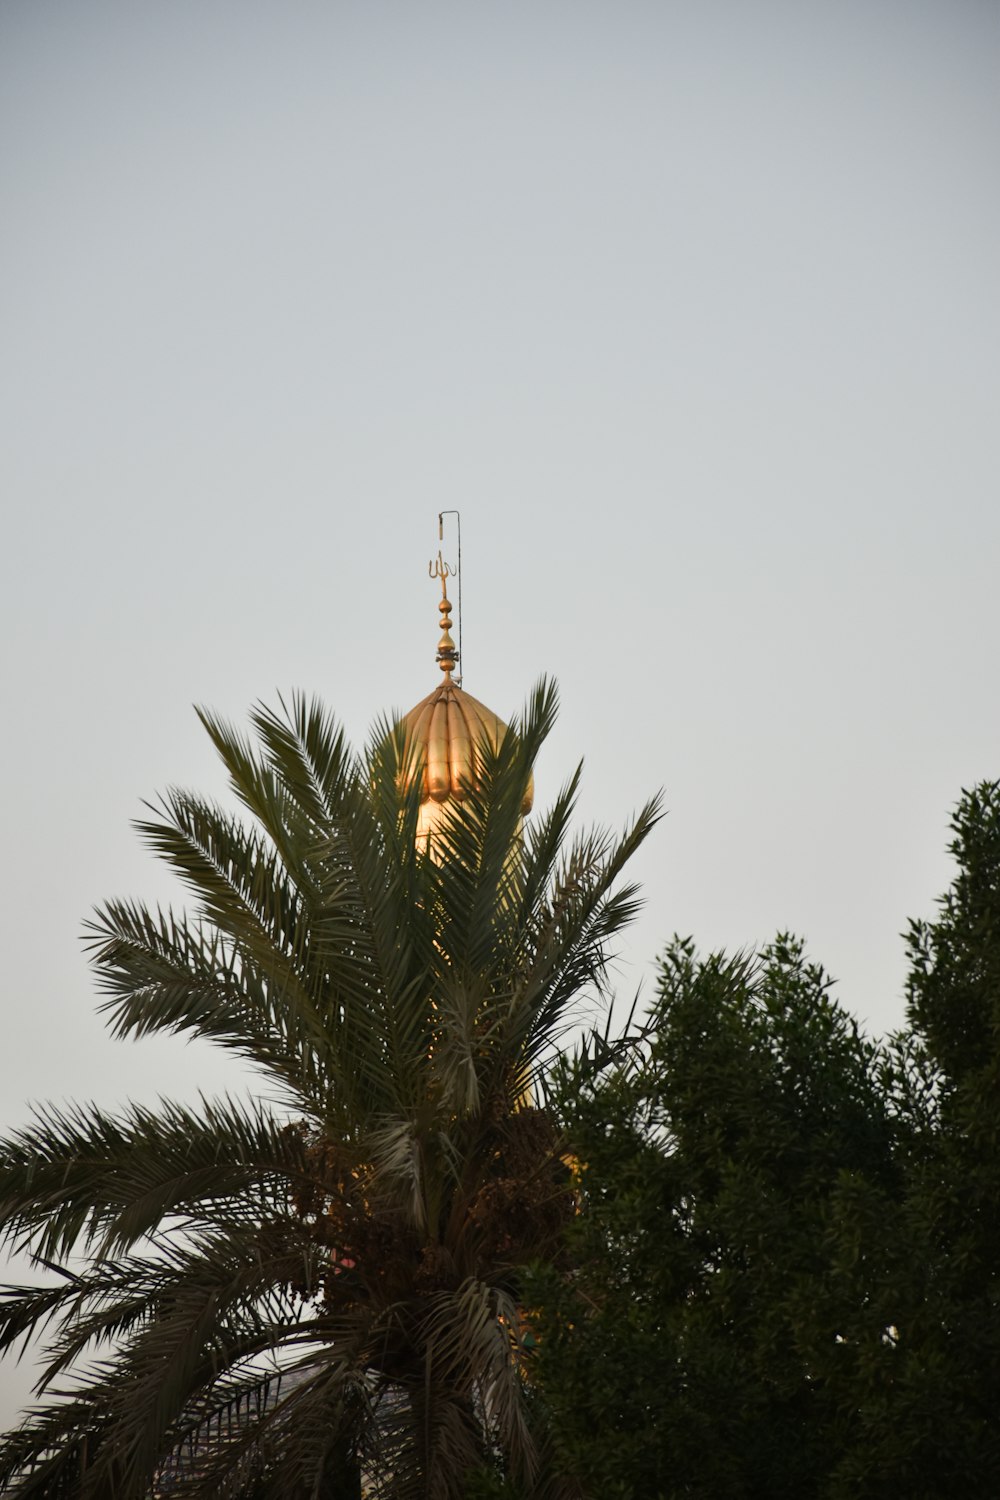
(446, 731)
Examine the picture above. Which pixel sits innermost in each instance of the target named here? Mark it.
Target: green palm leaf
(250, 1304)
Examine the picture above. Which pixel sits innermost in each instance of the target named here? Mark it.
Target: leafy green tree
(260, 1301)
(698, 1348)
(954, 1203)
(786, 1273)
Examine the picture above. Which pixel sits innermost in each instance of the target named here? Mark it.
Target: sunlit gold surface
(447, 656)
(444, 732)
(447, 730)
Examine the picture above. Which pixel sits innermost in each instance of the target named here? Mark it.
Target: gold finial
(447, 656)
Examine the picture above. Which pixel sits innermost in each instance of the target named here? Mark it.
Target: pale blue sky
(691, 309)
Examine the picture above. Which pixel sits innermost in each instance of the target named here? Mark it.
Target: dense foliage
(257, 1302)
(787, 1274)
(764, 1249)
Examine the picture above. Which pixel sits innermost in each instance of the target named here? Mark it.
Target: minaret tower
(445, 731)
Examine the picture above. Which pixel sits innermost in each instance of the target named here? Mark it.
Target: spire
(447, 731)
(447, 656)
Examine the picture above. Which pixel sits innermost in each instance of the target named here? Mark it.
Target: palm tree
(268, 1298)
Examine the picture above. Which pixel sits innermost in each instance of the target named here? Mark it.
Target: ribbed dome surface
(444, 730)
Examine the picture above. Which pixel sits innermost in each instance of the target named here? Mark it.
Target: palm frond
(258, 1307)
(82, 1176)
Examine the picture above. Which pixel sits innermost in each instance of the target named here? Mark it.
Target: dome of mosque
(446, 730)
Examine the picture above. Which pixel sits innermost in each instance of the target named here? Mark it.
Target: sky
(693, 312)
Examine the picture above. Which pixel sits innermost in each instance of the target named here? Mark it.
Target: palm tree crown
(255, 1300)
